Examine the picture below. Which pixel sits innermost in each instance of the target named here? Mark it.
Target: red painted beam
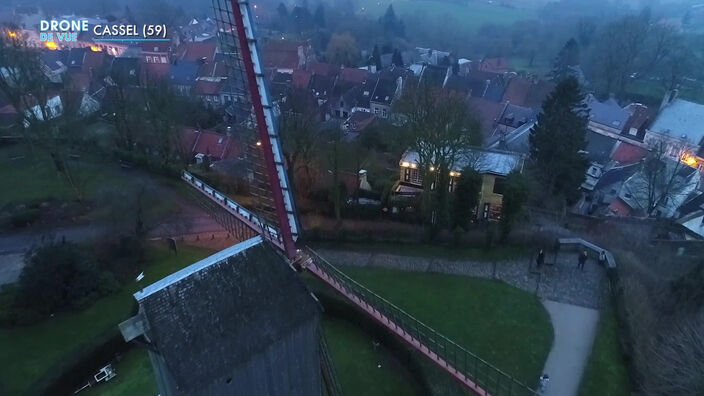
(277, 195)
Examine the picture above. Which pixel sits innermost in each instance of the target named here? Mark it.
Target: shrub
(59, 276)
(25, 217)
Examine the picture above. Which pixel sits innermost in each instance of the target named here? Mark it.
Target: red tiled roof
(495, 65)
(202, 87)
(156, 47)
(524, 92)
(627, 153)
(8, 109)
(80, 81)
(352, 75)
(213, 69)
(280, 59)
(300, 79)
(213, 144)
(619, 208)
(487, 112)
(194, 52)
(156, 71)
(323, 69)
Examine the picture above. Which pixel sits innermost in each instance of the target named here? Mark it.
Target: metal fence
(332, 383)
(477, 374)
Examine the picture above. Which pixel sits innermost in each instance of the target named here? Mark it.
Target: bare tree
(675, 364)
(41, 111)
(300, 131)
(661, 179)
(441, 130)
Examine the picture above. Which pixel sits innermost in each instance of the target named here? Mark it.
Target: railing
(253, 221)
(332, 384)
(475, 373)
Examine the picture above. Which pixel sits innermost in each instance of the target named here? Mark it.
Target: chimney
(670, 96)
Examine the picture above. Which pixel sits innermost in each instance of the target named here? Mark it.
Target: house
(527, 92)
(691, 214)
(626, 153)
(183, 75)
(358, 121)
(680, 126)
(197, 51)
(512, 117)
(210, 146)
(517, 140)
(493, 165)
(487, 112)
(432, 57)
(156, 52)
(385, 92)
(494, 65)
(240, 322)
(285, 56)
(53, 107)
(633, 198)
(126, 72)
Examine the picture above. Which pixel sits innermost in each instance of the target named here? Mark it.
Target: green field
(29, 354)
(501, 324)
(606, 372)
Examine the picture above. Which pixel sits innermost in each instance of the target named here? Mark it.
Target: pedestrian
(602, 258)
(582, 260)
(540, 260)
(543, 382)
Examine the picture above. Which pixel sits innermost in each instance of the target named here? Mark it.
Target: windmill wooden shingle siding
(237, 323)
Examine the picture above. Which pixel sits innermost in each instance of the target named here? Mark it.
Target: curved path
(575, 328)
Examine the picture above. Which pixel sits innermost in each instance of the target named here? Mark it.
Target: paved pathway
(575, 328)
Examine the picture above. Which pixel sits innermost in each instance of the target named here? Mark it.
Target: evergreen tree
(397, 59)
(566, 60)
(319, 16)
(376, 57)
(391, 24)
(514, 198)
(558, 139)
(469, 185)
(282, 10)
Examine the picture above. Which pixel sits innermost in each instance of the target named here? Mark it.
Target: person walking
(582, 260)
(602, 258)
(540, 260)
(543, 383)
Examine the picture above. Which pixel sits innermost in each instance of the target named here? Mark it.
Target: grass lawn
(134, 377)
(540, 67)
(606, 372)
(503, 325)
(498, 253)
(29, 353)
(357, 363)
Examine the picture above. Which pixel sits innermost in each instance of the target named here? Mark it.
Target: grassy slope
(503, 325)
(28, 353)
(134, 377)
(357, 363)
(606, 372)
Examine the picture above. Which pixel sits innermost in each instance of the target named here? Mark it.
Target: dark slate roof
(607, 113)
(599, 147)
(321, 86)
(126, 69)
(184, 72)
(515, 116)
(461, 84)
(434, 75)
(218, 313)
(384, 91)
(615, 175)
(52, 59)
(76, 56)
(693, 204)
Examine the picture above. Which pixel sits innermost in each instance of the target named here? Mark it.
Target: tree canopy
(558, 140)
